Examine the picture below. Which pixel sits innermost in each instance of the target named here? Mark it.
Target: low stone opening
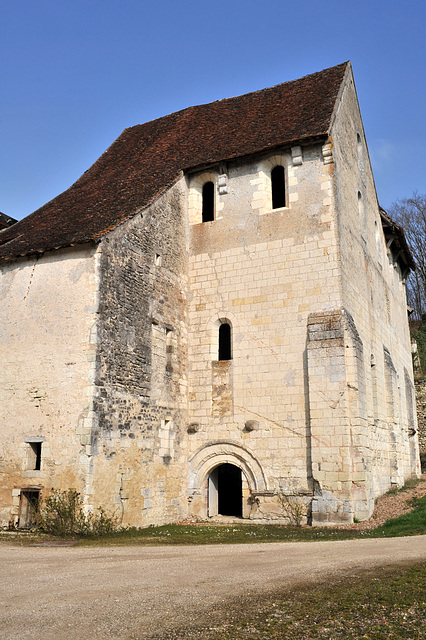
(226, 491)
(28, 508)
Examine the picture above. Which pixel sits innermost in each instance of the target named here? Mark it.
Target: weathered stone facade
(114, 379)
(141, 400)
(48, 356)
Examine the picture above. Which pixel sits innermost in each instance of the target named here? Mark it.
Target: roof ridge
(240, 95)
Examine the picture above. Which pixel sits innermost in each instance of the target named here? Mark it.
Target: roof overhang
(397, 244)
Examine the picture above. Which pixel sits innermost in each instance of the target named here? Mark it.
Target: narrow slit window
(359, 152)
(169, 352)
(361, 212)
(208, 202)
(225, 341)
(278, 187)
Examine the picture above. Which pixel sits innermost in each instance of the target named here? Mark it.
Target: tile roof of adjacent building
(146, 159)
(394, 234)
(6, 221)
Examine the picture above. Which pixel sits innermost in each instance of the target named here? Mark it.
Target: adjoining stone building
(214, 312)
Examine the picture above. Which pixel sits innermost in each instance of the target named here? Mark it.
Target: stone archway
(205, 478)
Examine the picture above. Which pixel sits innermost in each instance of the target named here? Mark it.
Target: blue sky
(75, 74)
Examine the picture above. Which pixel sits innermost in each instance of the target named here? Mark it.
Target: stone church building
(213, 313)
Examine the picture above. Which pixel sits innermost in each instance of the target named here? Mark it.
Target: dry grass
(384, 604)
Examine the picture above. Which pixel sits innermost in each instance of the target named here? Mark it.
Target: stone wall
(111, 354)
(374, 296)
(262, 271)
(48, 311)
(337, 414)
(139, 438)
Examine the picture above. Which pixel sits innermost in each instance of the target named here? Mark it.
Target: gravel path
(123, 593)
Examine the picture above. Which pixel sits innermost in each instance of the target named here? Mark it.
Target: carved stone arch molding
(266, 164)
(221, 316)
(262, 194)
(219, 452)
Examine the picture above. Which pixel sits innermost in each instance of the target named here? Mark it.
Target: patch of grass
(388, 604)
(233, 534)
(409, 524)
(23, 538)
(412, 523)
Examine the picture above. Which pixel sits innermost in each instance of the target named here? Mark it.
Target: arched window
(225, 352)
(208, 202)
(278, 187)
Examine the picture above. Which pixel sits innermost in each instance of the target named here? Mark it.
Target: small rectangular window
(34, 453)
(36, 447)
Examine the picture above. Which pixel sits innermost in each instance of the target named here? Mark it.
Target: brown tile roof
(148, 158)
(6, 221)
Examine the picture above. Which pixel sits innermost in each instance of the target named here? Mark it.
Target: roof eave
(394, 232)
(304, 140)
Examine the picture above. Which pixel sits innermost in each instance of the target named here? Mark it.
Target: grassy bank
(412, 523)
(408, 524)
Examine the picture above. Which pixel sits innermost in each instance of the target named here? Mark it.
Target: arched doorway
(225, 491)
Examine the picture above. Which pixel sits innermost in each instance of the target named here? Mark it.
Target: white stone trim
(212, 330)
(262, 187)
(327, 153)
(213, 454)
(297, 156)
(195, 195)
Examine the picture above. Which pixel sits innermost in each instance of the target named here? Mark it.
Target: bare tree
(410, 213)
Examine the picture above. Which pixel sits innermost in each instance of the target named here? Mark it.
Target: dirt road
(123, 593)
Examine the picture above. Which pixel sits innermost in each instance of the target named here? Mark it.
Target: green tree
(420, 338)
